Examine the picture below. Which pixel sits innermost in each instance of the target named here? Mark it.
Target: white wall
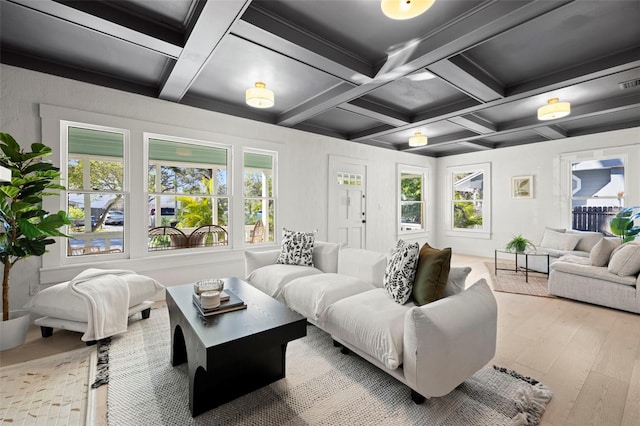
(550, 205)
(303, 169)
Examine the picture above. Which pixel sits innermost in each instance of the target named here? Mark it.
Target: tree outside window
(469, 206)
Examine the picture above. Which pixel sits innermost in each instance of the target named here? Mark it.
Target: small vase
(13, 332)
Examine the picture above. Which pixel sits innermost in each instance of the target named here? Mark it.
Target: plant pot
(14, 331)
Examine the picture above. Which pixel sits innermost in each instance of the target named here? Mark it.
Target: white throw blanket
(106, 294)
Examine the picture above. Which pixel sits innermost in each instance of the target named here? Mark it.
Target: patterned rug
(322, 387)
(46, 391)
(509, 281)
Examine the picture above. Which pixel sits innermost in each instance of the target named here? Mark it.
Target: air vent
(629, 84)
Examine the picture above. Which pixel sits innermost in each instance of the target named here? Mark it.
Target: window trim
(485, 231)
(424, 172)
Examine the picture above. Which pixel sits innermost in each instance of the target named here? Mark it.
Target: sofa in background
(560, 242)
(610, 276)
(431, 348)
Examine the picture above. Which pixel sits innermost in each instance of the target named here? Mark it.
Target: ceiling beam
(482, 23)
(376, 112)
(260, 26)
(478, 145)
(474, 123)
(441, 140)
(119, 25)
(467, 77)
(317, 104)
(212, 24)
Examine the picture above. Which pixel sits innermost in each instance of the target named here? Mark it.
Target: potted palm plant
(519, 244)
(25, 228)
(623, 226)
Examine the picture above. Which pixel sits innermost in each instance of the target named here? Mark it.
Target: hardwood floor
(588, 355)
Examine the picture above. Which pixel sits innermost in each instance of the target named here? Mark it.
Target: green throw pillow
(432, 274)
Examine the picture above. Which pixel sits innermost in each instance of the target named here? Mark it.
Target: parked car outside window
(114, 217)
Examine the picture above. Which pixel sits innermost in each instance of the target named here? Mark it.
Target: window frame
(485, 231)
(125, 190)
(423, 172)
(146, 136)
(273, 197)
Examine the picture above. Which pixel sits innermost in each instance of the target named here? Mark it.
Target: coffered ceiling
(469, 74)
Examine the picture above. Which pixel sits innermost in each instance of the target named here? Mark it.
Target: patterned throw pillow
(401, 270)
(297, 248)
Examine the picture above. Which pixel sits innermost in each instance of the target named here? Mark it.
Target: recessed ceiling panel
(410, 96)
(343, 121)
(238, 64)
(173, 13)
(579, 32)
(55, 40)
(603, 120)
(361, 28)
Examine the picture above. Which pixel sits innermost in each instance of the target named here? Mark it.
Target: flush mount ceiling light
(405, 9)
(259, 96)
(554, 109)
(418, 140)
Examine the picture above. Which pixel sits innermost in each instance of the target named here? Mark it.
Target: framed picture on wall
(521, 187)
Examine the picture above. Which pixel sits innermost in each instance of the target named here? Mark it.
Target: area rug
(509, 281)
(47, 391)
(322, 387)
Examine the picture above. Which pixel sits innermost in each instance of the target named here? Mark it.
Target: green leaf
(619, 225)
(28, 229)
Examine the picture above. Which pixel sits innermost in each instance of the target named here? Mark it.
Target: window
(597, 193)
(412, 207)
(469, 203)
(259, 196)
(187, 187)
(95, 194)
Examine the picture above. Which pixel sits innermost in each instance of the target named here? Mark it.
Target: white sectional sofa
(431, 348)
(612, 281)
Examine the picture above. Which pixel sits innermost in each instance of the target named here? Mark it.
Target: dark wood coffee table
(234, 353)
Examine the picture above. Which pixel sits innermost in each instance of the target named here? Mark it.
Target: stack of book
(228, 302)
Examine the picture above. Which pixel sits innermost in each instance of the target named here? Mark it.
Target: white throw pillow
(297, 248)
(601, 252)
(625, 260)
(456, 281)
(401, 270)
(559, 240)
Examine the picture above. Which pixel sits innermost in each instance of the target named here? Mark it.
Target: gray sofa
(431, 348)
(577, 278)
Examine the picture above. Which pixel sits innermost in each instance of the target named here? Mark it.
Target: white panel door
(347, 202)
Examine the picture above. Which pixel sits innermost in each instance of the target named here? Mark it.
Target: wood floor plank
(632, 407)
(601, 402)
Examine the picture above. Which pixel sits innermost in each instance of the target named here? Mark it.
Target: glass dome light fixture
(554, 109)
(259, 96)
(418, 140)
(405, 9)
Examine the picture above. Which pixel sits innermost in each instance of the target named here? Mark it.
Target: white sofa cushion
(600, 273)
(559, 240)
(58, 301)
(367, 265)
(587, 241)
(372, 322)
(311, 295)
(601, 252)
(271, 279)
(456, 281)
(325, 256)
(625, 260)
